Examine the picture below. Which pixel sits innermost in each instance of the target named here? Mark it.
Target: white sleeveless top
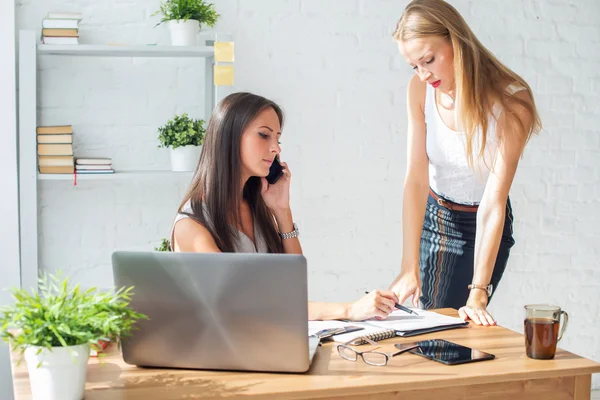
(242, 244)
(450, 175)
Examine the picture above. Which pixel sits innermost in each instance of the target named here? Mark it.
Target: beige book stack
(93, 165)
(61, 28)
(55, 149)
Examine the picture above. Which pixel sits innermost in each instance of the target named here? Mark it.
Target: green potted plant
(165, 245)
(55, 329)
(184, 19)
(184, 136)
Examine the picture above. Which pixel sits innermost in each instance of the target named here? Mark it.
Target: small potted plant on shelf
(184, 136)
(165, 245)
(56, 328)
(184, 19)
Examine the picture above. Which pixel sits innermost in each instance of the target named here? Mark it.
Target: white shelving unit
(29, 51)
(93, 50)
(136, 175)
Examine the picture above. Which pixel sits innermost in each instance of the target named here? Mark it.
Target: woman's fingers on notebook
(376, 311)
(389, 294)
(416, 297)
(402, 293)
(382, 303)
(371, 305)
(384, 308)
(388, 303)
(405, 285)
(384, 300)
(410, 292)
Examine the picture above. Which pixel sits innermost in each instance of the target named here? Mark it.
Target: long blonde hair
(481, 80)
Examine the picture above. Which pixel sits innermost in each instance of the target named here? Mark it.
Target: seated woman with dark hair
(230, 206)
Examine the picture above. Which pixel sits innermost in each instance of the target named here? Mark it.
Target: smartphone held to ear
(275, 172)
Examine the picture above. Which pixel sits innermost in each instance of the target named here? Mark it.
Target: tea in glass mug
(542, 330)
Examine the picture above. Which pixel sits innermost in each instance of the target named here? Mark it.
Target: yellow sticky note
(224, 75)
(224, 52)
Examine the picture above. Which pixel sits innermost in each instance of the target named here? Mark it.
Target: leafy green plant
(165, 245)
(181, 131)
(199, 10)
(58, 315)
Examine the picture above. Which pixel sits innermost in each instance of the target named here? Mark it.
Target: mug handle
(565, 321)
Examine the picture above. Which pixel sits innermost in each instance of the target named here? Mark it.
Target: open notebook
(398, 323)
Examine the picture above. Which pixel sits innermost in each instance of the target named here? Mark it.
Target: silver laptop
(222, 311)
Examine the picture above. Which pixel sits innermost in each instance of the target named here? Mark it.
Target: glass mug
(542, 330)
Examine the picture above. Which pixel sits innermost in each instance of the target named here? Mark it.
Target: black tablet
(448, 353)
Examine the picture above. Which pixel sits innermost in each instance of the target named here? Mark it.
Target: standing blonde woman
(470, 118)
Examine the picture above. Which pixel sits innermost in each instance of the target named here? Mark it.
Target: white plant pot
(184, 33)
(185, 158)
(61, 372)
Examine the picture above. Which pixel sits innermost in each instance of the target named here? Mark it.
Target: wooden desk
(510, 376)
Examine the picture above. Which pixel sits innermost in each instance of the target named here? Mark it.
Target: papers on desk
(404, 324)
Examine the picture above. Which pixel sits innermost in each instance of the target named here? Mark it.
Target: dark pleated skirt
(448, 251)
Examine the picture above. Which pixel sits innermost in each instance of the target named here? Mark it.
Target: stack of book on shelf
(94, 166)
(61, 28)
(55, 149)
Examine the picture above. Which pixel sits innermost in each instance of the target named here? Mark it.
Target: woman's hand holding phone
(275, 172)
(277, 195)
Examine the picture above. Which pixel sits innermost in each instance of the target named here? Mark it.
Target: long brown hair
(216, 182)
(481, 79)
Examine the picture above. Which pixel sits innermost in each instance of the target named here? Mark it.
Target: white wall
(9, 228)
(334, 68)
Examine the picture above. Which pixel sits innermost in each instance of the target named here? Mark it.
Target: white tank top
(450, 175)
(242, 243)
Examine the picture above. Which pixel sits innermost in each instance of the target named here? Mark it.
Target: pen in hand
(400, 307)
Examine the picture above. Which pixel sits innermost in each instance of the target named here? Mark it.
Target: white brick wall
(334, 68)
